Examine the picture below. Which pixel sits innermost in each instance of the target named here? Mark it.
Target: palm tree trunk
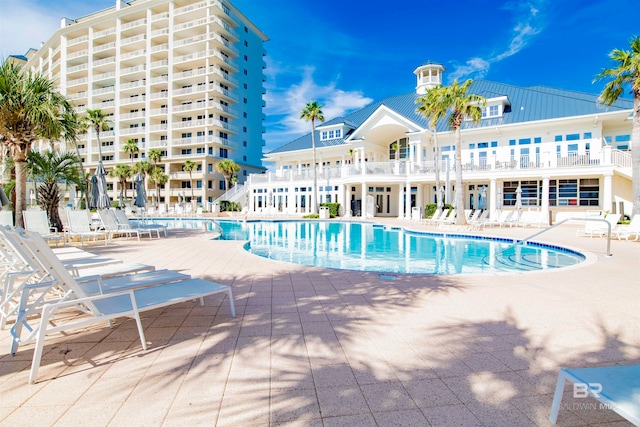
(314, 193)
(83, 191)
(437, 166)
(191, 183)
(635, 154)
(460, 219)
(21, 191)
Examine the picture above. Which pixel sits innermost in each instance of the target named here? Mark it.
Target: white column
(493, 195)
(545, 196)
(347, 203)
(363, 200)
(400, 201)
(607, 196)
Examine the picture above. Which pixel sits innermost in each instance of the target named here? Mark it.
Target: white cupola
(429, 75)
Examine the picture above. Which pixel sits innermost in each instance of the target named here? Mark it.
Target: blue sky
(347, 54)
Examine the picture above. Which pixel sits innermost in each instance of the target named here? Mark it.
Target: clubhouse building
(549, 149)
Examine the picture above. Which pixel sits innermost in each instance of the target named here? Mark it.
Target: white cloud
(284, 106)
(25, 24)
(529, 23)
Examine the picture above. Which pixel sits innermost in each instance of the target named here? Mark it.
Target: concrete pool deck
(313, 346)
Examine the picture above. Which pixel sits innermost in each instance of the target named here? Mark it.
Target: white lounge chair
(437, 216)
(100, 307)
(111, 224)
(38, 221)
(616, 387)
(124, 223)
(6, 218)
(79, 225)
(599, 228)
(627, 231)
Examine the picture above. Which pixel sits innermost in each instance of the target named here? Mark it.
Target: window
(524, 141)
(224, 153)
(493, 111)
(573, 137)
(210, 168)
(221, 185)
(537, 140)
(185, 184)
(587, 135)
(244, 143)
(338, 133)
(530, 195)
(210, 184)
(483, 145)
(512, 142)
(198, 184)
(185, 151)
(589, 192)
(557, 138)
(398, 149)
(563, 192)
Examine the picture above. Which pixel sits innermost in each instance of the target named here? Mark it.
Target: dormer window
(330, 134)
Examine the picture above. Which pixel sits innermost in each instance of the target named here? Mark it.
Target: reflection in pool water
(372, 247)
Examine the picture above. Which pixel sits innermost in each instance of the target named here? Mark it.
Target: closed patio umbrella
(519, 198)
(483, 197)
(141, 195)
(103, 200)
(4, 200)
(93, 203)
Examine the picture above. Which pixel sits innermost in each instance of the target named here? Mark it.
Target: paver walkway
(314, 346)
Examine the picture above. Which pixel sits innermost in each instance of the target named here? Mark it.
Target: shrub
(227, 206)
(431, 208)
(311, 216)
(334, 208)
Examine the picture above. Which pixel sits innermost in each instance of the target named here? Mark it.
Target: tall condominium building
(184, 77)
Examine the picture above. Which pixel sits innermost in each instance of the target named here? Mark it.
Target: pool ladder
(526, 239)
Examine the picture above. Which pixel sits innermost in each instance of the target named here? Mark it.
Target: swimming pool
(377, 248)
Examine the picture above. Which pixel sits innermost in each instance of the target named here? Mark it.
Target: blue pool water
(376, 248)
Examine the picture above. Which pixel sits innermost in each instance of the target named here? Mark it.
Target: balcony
(131, 70)
(132, 100)
(133, 24)
(185, 9)
(77, 68)
(130, 131)
(104, 33)
(104, 61)
(74, 55)
(139, 52)
(135, 115)
(160, 32)
(160, 16)
(77, 40)
(104, 47)
(129, 40)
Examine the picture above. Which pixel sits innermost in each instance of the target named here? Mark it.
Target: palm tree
(160, 179)
(627, 73)
(155, 156)
(131, 147)
(122, 173)
(227, 168)
(313, 111)
(30, 109)
(99, 122)
(433, 109)
(461, 106)
(190, 166)
(52, 168)
(73, 127)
